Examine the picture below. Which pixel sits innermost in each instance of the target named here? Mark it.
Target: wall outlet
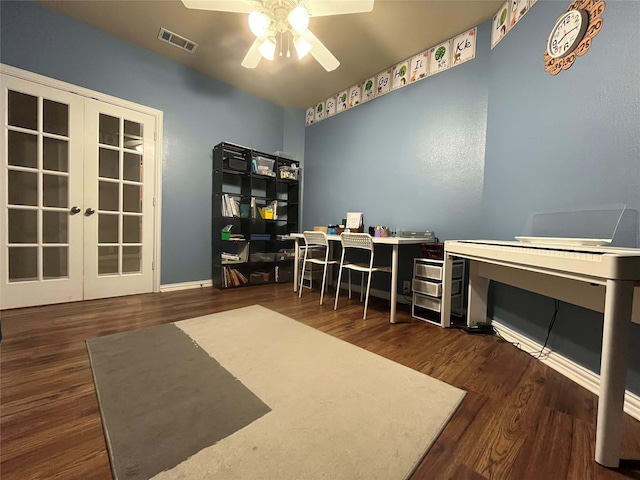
(406, 287)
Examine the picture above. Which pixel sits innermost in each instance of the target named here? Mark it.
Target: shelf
(243, 186)
(230, 171)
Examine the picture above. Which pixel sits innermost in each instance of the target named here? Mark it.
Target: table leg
(478, 289)
(394, 283)
(445, 313)
(331, 272)
(613, 370)
(296, 264)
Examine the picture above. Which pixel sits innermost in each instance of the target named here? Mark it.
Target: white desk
(394, 241)
(599, 278)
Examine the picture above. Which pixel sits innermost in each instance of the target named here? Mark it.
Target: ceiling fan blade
(236, 6)
(320, 52)
(253, 56)
(320, 8)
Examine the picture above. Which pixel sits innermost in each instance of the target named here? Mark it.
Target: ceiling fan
(270, 18)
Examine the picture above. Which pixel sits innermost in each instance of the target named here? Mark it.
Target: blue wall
(198, 113)
(473, 151)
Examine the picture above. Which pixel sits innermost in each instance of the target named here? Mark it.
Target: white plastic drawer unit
(434, 272)
(434, 288)
(431, 303)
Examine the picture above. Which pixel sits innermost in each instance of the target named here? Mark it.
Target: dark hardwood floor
(519, 419)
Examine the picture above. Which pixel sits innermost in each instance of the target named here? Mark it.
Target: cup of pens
(381, 231)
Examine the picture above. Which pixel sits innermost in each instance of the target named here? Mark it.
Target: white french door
(77, 178)
(118, 201)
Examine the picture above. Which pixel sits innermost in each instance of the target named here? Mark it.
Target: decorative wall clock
(572, 34)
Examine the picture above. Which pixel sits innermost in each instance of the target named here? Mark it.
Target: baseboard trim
(174, 287)
(582, 376)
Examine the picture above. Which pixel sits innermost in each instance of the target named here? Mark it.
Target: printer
(427, 235)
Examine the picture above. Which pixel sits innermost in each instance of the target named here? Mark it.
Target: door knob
(74, 210)
(89, 211)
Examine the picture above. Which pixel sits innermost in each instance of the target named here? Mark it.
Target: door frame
(158, 116)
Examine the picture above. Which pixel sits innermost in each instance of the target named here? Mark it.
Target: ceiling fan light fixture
(302, 47)
(299, 19)
(258, 23)
(267, 49)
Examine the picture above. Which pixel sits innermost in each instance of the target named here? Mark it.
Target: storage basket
(259, 277)
(434, 250)
(235, 164)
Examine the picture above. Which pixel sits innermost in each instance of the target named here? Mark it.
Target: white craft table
(395, 242)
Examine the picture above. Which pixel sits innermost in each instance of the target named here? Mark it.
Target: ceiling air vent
(176, 40)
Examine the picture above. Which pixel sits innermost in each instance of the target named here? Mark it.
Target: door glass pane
(107, 260)
(22, 149)
(108, 228)
(23, 263)
(55, 117)
(23, 110)
(132, 169)
(23, 226)
(55, 154)
(108, 161)
(108, 196)
(55, 191)
(109, 133)
(55, 227)
(23, 188)
(133, 135)
(131, 229)
(55, 262)
(131, 259)
(132, 198)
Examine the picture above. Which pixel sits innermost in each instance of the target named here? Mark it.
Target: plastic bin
(266, 213)
(263, 166)
(289, 172)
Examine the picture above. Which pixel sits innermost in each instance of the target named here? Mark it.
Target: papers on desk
(354, 220)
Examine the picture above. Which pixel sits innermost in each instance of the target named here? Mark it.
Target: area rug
(253, 394)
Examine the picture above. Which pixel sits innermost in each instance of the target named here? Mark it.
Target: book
(230, 206)
(254, 209)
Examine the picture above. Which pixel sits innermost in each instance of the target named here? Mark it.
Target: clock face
(567, 33)
(565, 44)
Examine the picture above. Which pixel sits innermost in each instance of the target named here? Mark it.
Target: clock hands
(567, 33)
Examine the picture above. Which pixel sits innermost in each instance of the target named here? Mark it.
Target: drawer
(435, 304)
(423, 301)
(424, 270)
(434, 272)
(428, 288)
(434, 288)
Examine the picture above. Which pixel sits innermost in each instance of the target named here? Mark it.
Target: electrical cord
(536, 355)
(551, 323)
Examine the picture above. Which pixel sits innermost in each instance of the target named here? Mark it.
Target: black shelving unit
(258, 250)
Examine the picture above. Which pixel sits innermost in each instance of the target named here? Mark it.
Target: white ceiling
(364, 43)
